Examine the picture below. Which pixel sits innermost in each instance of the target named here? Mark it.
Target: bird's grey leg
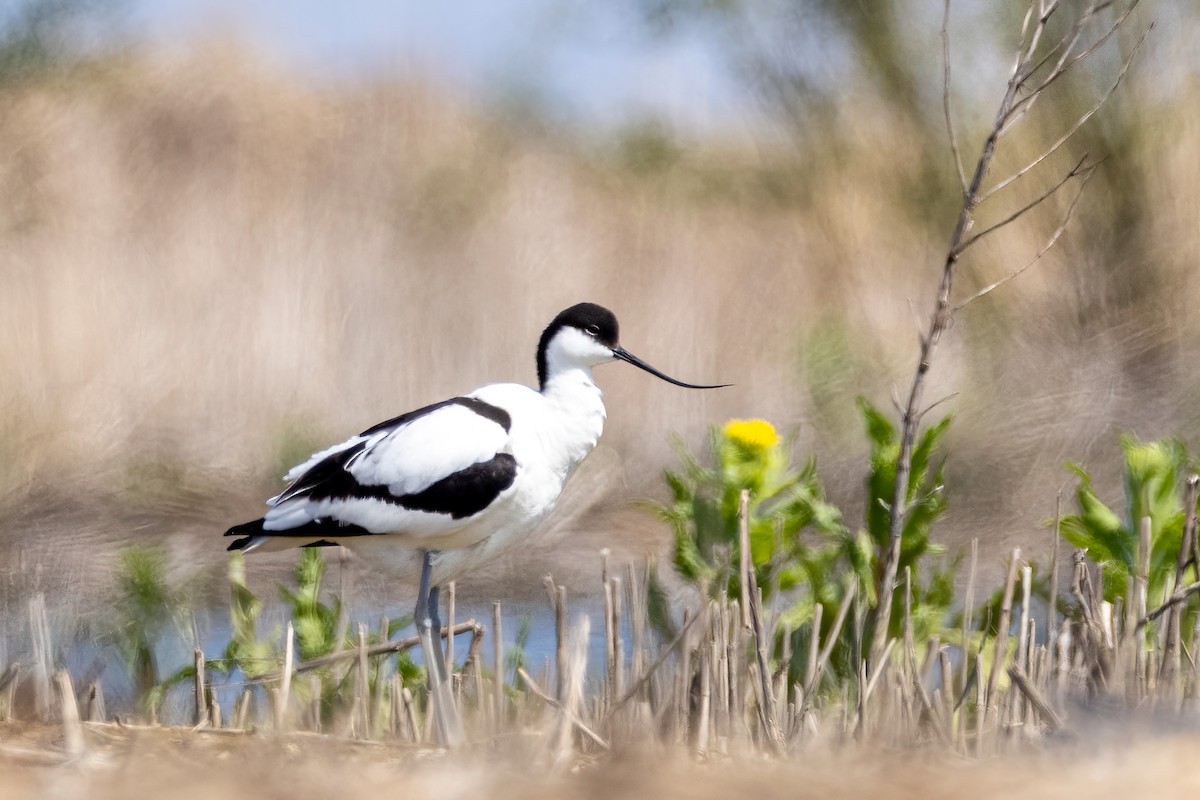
(436, 629)
(434, 615)
(421, 612)
(427, 609)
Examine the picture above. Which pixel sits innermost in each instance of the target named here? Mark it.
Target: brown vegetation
(210, 268)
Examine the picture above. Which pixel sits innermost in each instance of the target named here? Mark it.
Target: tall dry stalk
(1035, 69)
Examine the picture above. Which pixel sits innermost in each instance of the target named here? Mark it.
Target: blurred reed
(212, 267)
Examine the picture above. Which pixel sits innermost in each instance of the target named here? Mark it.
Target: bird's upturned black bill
(625, 355)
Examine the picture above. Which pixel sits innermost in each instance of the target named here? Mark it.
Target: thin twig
(1078, 169)
(1021, 680)
(383, 648)
(1079, 123)
(823, 659)
(1178, 597)
(662, 658)
(753, 615)
(936, 403)
(571, 715)
(1065, 45)
(950, 130)
(1002, 626)
(1021, 106)
(1054, 237)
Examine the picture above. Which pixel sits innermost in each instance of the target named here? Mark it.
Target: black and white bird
(459, 481)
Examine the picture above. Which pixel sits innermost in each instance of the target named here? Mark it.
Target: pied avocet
(476, 472)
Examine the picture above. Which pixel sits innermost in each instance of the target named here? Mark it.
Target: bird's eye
(594, 330)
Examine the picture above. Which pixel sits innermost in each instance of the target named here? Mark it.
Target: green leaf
(880, 430)
(658, 607)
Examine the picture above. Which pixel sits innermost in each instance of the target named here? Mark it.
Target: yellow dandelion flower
(754, 434)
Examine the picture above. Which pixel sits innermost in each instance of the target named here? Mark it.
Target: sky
(589, 61)
(596, 64)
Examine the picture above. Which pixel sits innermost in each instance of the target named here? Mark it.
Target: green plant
(925, 502)
(1151, 472)
(516, 655)
(146, 605)
(860, 553)
(798, 541)
(245, 651)
(321, 629)
(784, 503)
(316, 623)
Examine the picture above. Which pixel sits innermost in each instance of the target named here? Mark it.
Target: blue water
(88, 657)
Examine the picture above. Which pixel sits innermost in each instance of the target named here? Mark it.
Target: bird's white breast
(552, 432)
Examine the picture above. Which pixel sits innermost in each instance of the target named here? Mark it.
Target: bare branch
(553, 703)
(1066, 44)
(1021, 58)
(1175, 599)
(1065, 63)
(1078, 169)
(942, 316)
(896, 401)
(918, 326)
(1023, 107)
(1050, 10)
(1054, 237)
(1052, 718)
(1020, 72)
(1018, 109)
(935, 404)
(1079, 123)
(950, 131)
(1025, 23)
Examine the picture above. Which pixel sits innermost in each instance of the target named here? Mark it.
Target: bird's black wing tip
(246, 529)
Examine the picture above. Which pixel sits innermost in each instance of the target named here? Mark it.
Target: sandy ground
(184, 765)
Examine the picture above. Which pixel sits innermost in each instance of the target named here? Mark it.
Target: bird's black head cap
(594, 320)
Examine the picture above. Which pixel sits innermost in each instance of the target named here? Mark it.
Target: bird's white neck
(574, 392)
(575, 415)
(568, 380)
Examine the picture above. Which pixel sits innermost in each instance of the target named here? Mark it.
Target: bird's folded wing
(450, 459)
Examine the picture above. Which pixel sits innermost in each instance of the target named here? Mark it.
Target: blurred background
(234, 232)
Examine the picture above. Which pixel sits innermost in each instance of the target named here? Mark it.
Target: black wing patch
(467, 491)
(462, 494)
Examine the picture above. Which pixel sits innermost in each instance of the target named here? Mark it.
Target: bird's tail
(319, 533)
(252, 536)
